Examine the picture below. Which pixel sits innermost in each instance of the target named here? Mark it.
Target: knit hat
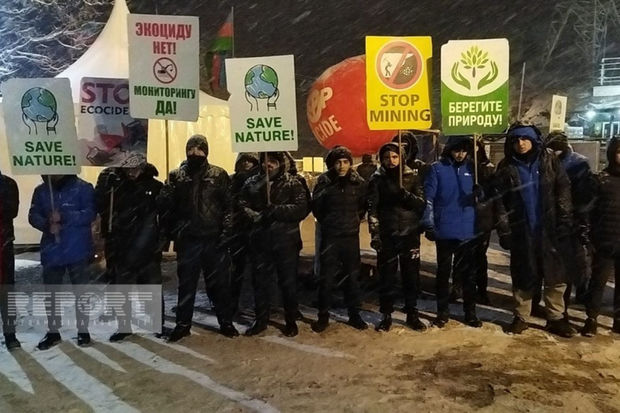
(390, 146)
(557, 141)
(134, 160)
(197, 141)
(337, 152)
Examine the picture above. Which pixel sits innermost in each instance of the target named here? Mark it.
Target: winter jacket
(241, 224)
(134, 238)
(605, 218)
(365, 170)
(393, 211)
(450, 206)
(581, 181)
(553, 200)
(289, 206)
(74, 199)
(197, 206)
(9, 206)
(339, 203)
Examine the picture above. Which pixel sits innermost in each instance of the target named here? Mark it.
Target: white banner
(263, 112)
(558, 113)
(107, 134)
(40, 126)
(163, 67)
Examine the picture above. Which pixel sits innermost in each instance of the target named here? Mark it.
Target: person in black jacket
(195, 204)
(394, 214)
(605, 223)
(339, 202)
(125, 198)
(366, 168)
(9, 206)
(275, 240)
(535, 223)
(245, 167)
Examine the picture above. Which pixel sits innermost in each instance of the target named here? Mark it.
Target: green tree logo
(474, 61)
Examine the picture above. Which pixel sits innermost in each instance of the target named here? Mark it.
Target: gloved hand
(403, 193)
(375, 243)
(477, 191)
(505, 242)
(430, 234)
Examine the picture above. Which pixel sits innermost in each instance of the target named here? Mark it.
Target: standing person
(606, 240)
(195, 205)
(339, 202)
(411, 149)
(366, 168)
(275, 239)
(450, 220)
(245, 167)
(535, 220)
(126, 199)
(580, 176)
(394, 214)
(66, 242)
(9, 206)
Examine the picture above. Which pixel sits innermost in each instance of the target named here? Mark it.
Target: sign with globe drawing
(263, 112)
(474, 86)
(40, 126)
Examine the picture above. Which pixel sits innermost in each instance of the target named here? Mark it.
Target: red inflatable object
(336, 109)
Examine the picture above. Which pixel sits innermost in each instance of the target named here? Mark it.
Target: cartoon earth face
(261, 82)
(39, 104)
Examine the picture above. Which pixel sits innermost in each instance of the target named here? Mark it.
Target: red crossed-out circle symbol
(399, 65)
(165, 70)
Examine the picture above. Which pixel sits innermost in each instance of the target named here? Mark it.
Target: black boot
(321, 323)
(441, 320)
(119, 336)
(517, 326)
(414, 322)
(83, 339)
(472, 320)
(385, 324)
(228, 330)
(178, 333)
(560, 328)
(589, 327)
(165, 332)
(50, 339)
(356, 321)
(258, 327)
(11, 342)
(290, 329)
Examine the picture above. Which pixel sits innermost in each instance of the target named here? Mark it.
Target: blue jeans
(54, 276)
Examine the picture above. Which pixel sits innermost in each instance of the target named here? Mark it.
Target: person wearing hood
(394, 213)
(605, 221)
(66, 242)
(411, 149)
(246, 166)
(195, 205)
(339, 203)
(366, 168)
(450, 220)
(275, 239)
(9, 206)
(126, 202)
(581, 178)
(535, 223)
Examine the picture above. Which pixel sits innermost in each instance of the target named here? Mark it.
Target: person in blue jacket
(450, 221)
(66, 242)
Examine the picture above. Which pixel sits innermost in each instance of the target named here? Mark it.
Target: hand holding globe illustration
(261, 82)
(39, 106)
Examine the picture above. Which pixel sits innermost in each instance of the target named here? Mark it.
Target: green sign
(474, 86)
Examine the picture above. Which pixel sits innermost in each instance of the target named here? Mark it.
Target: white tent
(108, 57)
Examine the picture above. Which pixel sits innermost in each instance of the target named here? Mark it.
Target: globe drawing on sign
(39, 106)
(261, 82)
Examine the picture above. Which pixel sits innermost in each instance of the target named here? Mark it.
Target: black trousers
(240, 259)
(6, 283)
(193, 257)
(602, 267)
(275, 262)
(404, 250)
(458, 257)
(482, 267)
(337, 253)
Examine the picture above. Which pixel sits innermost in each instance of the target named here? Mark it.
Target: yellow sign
(397, 82)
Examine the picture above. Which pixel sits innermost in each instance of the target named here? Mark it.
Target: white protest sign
(40, 126)
(558, 113)
(263, 112)
(163, 66)
(107, 134)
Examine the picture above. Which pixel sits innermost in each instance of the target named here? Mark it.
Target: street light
(590, 114)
